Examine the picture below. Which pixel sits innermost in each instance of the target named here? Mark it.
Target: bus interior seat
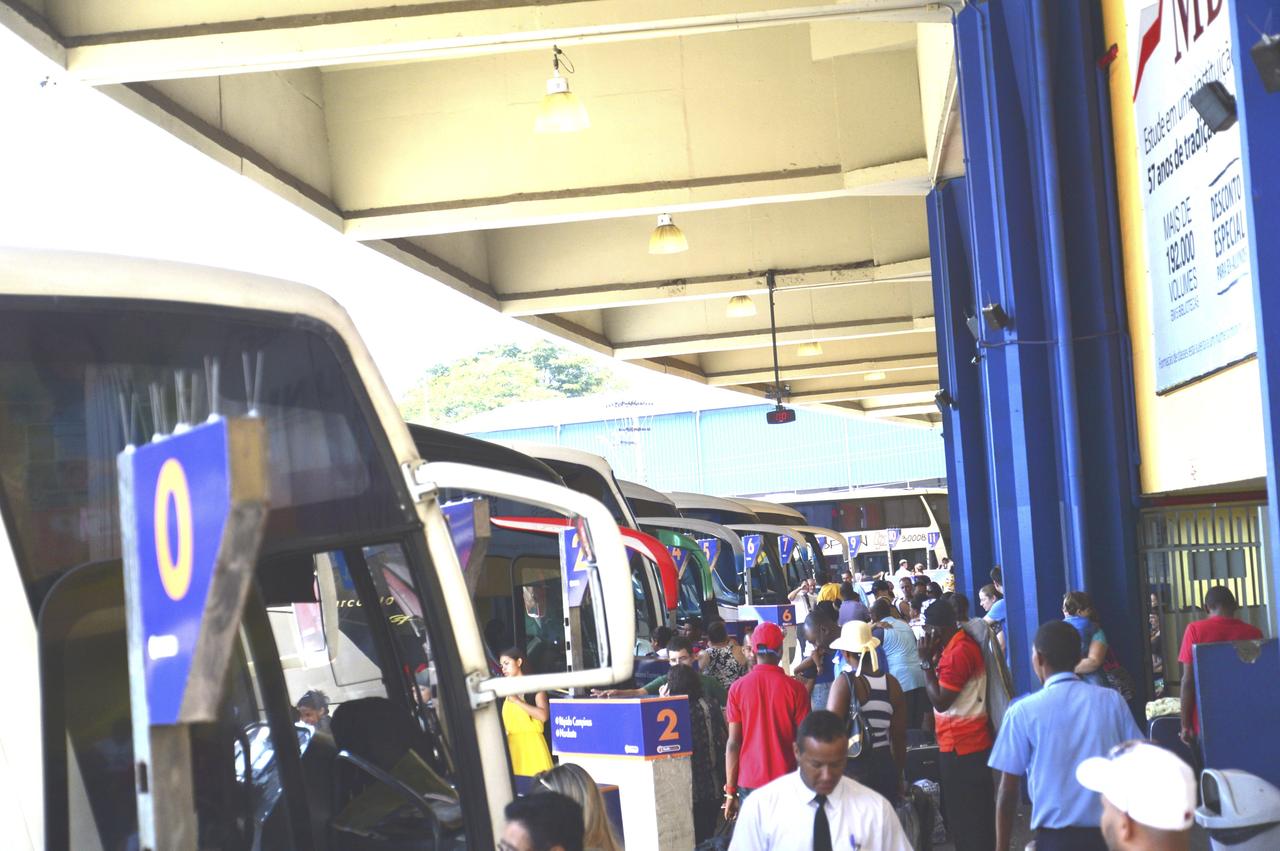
(368, 813)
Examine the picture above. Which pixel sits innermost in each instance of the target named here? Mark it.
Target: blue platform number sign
(786, 546)
(751, 545)
(681, 557)
(894, 535)
(182, 498)
(855, 544)
(461, 517)
(710, 549)
(934, 538)
(647, 728)
(576, 567)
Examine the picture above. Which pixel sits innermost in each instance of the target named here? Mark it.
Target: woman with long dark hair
(524, 717)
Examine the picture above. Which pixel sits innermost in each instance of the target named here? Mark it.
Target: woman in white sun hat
(879, 696)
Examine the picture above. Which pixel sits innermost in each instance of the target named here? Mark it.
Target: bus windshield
(83, 380)
(584, 479)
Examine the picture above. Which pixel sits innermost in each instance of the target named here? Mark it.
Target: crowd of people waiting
(816, 757)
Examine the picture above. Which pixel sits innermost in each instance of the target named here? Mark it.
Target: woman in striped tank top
(880, 697)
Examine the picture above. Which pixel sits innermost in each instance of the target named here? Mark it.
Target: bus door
(769, 576)
(724, 552)
(693, 571)
(354, 531)
(830, 548)
(643, 551)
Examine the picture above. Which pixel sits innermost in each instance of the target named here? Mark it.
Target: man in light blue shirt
(1046, 735)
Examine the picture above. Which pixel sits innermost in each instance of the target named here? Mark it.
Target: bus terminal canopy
(793, 136)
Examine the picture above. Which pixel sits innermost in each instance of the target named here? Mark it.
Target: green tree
(497, 377)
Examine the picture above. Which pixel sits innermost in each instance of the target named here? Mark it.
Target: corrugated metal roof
(733, 451)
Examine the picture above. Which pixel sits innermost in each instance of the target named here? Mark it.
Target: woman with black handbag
(873, 702)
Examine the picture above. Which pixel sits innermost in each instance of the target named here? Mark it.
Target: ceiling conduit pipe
(1064, 362)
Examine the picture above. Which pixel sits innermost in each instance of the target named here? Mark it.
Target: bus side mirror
(599, 609)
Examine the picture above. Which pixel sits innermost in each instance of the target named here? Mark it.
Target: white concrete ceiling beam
(197, 47)
(856, 394)
(597, 297)
(563, 206)
(758, 338)
(906, 177)
(893, 411)
(865, 366)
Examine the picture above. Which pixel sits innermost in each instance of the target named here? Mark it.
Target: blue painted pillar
(963, 426)
(1054, 405)
(1259, 115)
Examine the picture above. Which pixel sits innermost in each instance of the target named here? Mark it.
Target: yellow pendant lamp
(560, 111)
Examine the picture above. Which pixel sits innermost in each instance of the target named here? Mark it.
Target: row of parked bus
(397, 562)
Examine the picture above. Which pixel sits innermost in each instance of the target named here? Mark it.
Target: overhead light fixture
(1216, 105)
(740, 307)
(560, 110)
(810, 349)
(669, 239)
(873, 376)
(997, 317)
(1266, 58)
(975, 327)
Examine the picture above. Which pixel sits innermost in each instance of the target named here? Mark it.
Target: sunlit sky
(79, 172)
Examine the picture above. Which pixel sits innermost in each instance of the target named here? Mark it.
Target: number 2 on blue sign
(668, 717)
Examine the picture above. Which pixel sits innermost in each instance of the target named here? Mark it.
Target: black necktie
(821, 827)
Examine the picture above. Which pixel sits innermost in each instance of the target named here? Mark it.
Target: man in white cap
(1148, 797)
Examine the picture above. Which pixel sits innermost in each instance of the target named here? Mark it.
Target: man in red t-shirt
(955, 679)
(764, 710)
(1221, 625)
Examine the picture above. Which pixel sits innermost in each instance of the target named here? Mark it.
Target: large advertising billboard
(1192, 190)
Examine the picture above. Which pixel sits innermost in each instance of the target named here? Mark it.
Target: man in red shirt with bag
(764, 710)
(956, 682)
(1221, 625)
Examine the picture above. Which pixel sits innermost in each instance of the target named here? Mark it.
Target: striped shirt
(877, 709)
(963, 727)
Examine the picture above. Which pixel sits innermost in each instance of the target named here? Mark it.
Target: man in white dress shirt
(817, 808)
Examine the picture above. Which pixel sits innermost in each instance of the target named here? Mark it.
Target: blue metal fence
(734, 451)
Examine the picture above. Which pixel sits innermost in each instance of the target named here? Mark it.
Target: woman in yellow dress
(524, 717)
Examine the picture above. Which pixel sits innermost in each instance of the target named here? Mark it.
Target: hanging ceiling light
(669, 239)
(810, 349)
(740, 307)
(560, 110)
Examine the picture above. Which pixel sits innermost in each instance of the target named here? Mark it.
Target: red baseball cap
(767, 636)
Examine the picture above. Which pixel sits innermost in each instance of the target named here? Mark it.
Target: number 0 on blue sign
(178, 495)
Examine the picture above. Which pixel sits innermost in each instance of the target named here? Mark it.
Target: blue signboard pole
(192, 510)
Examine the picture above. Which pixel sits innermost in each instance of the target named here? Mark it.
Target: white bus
(92, 353)
(881, 526)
